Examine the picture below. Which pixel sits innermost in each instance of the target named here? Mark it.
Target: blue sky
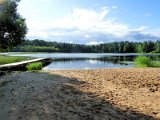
(91, 21)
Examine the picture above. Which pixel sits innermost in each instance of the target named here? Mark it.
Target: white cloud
(94, 43)
(71, 42)
(87, 36)
(45, 0)
(114, 7)
(83, 20)
(37, 34)
(84, 25)
(140, 29)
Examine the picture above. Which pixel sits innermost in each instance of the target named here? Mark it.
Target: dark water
(64, 61)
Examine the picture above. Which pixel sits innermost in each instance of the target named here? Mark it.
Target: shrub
(142, 61)
(34, 66)
(155, 63)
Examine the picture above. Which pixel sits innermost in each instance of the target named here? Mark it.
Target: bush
(142, 61)
(34, 66)
(155, 63)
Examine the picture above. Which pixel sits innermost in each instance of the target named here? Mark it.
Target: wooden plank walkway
(21, 65)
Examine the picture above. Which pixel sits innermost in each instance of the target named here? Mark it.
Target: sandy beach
(102, 94)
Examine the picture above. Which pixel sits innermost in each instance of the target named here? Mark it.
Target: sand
(102, 94)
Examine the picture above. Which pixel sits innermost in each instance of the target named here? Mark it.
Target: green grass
(11, 59)
(34, 66)
(155, 63)
(142, 61)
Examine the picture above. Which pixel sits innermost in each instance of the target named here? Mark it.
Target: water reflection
(88, 63)
(63, 61)
(112, 59)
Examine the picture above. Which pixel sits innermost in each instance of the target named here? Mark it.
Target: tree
(139, 48)
(12, 26)
(157, 46)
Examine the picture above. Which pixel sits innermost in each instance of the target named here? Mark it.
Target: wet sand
(103, 94)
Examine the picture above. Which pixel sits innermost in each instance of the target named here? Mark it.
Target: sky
(91, 21)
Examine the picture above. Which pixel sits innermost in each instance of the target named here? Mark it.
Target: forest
(114, 47)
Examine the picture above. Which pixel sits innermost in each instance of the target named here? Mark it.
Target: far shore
(101, 94)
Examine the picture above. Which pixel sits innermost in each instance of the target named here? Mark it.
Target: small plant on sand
(34, 66)
(142, 61)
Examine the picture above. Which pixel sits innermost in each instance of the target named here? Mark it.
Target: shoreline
(117, 93)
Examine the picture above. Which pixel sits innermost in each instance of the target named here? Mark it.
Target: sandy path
(106, 94)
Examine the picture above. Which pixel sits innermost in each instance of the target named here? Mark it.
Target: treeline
(130, 47)
(114, 47)
(45, 46)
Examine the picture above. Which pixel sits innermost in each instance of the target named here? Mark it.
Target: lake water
(65, 61)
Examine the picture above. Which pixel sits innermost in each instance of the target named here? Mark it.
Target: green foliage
(142, 61)
(11, 59)
(12, 25)
(31, 48)
(34, 66)
(115, 47)
(139, 48)
(155, 63)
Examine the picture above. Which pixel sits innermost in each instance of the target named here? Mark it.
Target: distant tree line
(114, 47)
(13, 30)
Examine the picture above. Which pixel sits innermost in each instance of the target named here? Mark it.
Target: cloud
(94, 43)
(87, 36)
(84, 20)
(88, 26)
(140, 29)
(45, 0)
(147, 14)
(114, 7)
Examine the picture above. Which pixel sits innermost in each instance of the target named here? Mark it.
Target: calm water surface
(64, 61)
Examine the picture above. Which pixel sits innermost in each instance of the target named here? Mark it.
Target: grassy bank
(11, 59)
(34, 66)
(143, 61)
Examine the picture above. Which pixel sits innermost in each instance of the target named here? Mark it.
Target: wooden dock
(22, 65)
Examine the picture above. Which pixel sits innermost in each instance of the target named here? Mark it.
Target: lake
(66, 61)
